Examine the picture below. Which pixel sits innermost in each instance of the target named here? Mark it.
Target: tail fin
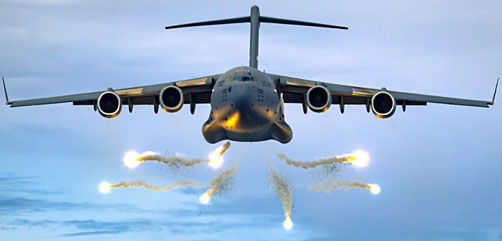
(255, 19)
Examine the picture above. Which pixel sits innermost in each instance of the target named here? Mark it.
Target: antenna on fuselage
(255, 19)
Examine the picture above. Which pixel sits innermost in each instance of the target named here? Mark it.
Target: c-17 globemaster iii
(248, 104)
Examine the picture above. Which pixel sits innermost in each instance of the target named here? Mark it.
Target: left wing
(295, 90)
(197, 90)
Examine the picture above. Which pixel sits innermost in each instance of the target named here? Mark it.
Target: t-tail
(255, 19)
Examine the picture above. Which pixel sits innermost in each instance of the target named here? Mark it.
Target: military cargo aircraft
(248, 104)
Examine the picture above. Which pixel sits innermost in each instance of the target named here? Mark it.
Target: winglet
(495, 93)
(5, 91)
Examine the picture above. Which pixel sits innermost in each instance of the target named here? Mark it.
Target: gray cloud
(92, 233)
(11, 186)
(19, 205)
(93, 227)
(196, 218)
(10, 183)
(11, 179)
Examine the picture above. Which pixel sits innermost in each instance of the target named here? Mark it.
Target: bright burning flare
(104, 187)
(288, 224)
(359, 159)
(375, 189)
(132, 159)
(215, 159)
(206, 197)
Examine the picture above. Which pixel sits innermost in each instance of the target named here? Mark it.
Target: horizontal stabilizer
(264, 19)
(212, 22)
(255, 19)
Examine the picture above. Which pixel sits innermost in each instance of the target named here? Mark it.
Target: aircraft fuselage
(246, 106)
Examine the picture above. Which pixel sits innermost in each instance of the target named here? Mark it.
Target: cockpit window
(242, 78)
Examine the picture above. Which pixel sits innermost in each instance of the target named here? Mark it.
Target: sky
(439, 166)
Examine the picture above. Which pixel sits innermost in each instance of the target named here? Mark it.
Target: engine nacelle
(171, 98)
(109, 104)
(318, 98)
(383, 104)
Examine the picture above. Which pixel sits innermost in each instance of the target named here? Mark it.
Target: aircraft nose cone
(242, 97)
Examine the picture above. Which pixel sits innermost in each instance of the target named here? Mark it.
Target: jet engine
(171, 98)
(109, 104)
(318, 98)
(383, 104)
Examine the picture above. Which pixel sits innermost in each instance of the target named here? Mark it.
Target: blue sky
(439, 166)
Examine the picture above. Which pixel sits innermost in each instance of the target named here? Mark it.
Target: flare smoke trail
(223, 148)
(151, 187)
(219, 183)
(330, 185)
(281, 188)
(215, 156)
(171, 160)
(216, 182)
(312, 164)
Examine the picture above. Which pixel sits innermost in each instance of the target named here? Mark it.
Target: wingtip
(495, 92)
(7, 102)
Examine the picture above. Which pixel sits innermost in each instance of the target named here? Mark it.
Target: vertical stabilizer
(254, 39)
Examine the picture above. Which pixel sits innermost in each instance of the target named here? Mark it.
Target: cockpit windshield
(242, 78)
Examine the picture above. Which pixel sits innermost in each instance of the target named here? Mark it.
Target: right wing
(294, 90)
(195, 91)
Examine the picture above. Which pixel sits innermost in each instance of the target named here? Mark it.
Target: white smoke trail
(223, 148)
(216, 182)
(215, 157)
(312, 164)
(330, 185)
(172, 160)
(219, 183)
(282, 189)
(156, 188)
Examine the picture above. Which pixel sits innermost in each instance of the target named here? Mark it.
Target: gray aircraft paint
(245, 106)
(254, 37)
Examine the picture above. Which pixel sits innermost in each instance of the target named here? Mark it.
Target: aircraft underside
(246, 129)
(214, 133)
